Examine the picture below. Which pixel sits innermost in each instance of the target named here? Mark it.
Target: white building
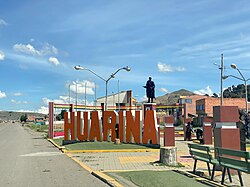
(116, 100)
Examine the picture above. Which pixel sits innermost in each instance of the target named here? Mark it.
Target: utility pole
(85, 95)
(76, 96)
(221, 79)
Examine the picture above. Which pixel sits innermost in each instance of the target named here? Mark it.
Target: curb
(62, 148)
(110, 150)
(59, 147)
(103, 177)
(107, 179)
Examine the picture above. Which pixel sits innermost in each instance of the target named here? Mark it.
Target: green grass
(157, 178)
(39, 128)
(98, 145)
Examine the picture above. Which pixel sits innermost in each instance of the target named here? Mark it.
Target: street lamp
(243, 79)
(78, 67)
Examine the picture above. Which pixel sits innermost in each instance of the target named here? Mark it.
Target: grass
(38, 128)
(98, 145)
(157, 178)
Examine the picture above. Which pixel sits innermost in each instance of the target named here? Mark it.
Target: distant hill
(171, 98)
(10, 115)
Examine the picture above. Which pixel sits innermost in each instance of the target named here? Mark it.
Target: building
(205, 106)
(120, 100)
(189, 104)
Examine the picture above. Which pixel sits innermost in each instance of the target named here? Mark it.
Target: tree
(23, 118)
(61, 115)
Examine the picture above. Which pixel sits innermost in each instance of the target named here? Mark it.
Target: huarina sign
(88, 126)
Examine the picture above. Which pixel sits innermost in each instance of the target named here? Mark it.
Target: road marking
(43, 154)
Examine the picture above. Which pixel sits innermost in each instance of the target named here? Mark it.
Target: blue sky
(176, 42)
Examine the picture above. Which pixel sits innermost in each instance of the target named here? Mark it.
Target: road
(27, 159)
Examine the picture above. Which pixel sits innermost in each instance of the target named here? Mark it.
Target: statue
(150, 90)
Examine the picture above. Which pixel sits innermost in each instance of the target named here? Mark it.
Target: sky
(176, 42)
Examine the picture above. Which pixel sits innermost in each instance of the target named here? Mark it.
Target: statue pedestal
(149, 106)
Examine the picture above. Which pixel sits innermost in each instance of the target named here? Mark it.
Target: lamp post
(221, 67)
(243, 79)
(78, 67)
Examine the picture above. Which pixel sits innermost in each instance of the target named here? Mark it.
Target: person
(188, 132)
(199, 135)
(150, 90)
(116, 130)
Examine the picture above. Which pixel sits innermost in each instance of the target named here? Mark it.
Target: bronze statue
(150, 90)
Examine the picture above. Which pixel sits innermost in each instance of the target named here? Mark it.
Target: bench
(202, 153)
(233, 159)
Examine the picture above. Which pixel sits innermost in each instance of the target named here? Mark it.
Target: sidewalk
(102, 162)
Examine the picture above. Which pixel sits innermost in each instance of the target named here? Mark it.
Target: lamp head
(233, 66)
(78, 67)
(225, 77)
(127, 68)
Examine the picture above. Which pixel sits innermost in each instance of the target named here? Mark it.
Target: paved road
(27, 159)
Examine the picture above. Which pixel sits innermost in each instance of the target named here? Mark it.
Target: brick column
(207, 130)
(169, 136)
(226, 134)
(51, 120)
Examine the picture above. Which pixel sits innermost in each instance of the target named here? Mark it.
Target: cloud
(163, 90)
(207, 90)
(27, 49)
(81, 87)
(47, 49)
(54, 61)
(2, 94)
(43, 110)
(65, 100)
(18, 102)
(3, 23)
(2, 55)
(17, 94)
(61, 100)
(168, 68)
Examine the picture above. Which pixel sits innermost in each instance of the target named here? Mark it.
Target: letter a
(95, 131)
(150, 132)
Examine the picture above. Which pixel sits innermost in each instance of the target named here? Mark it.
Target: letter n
(69, 126)
(132, 126)
(150, 132)
(95, 131)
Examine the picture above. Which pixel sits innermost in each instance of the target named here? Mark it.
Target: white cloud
(18, 102)
(207, 90)
(43, 110)
(17, 94)
(2, 94)
(168, 68)
(61, 100)
(54, 61)
(2, 55)
(47, 49)
(27, 49)
(81, 87)
(2, 22)
(163, 90)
